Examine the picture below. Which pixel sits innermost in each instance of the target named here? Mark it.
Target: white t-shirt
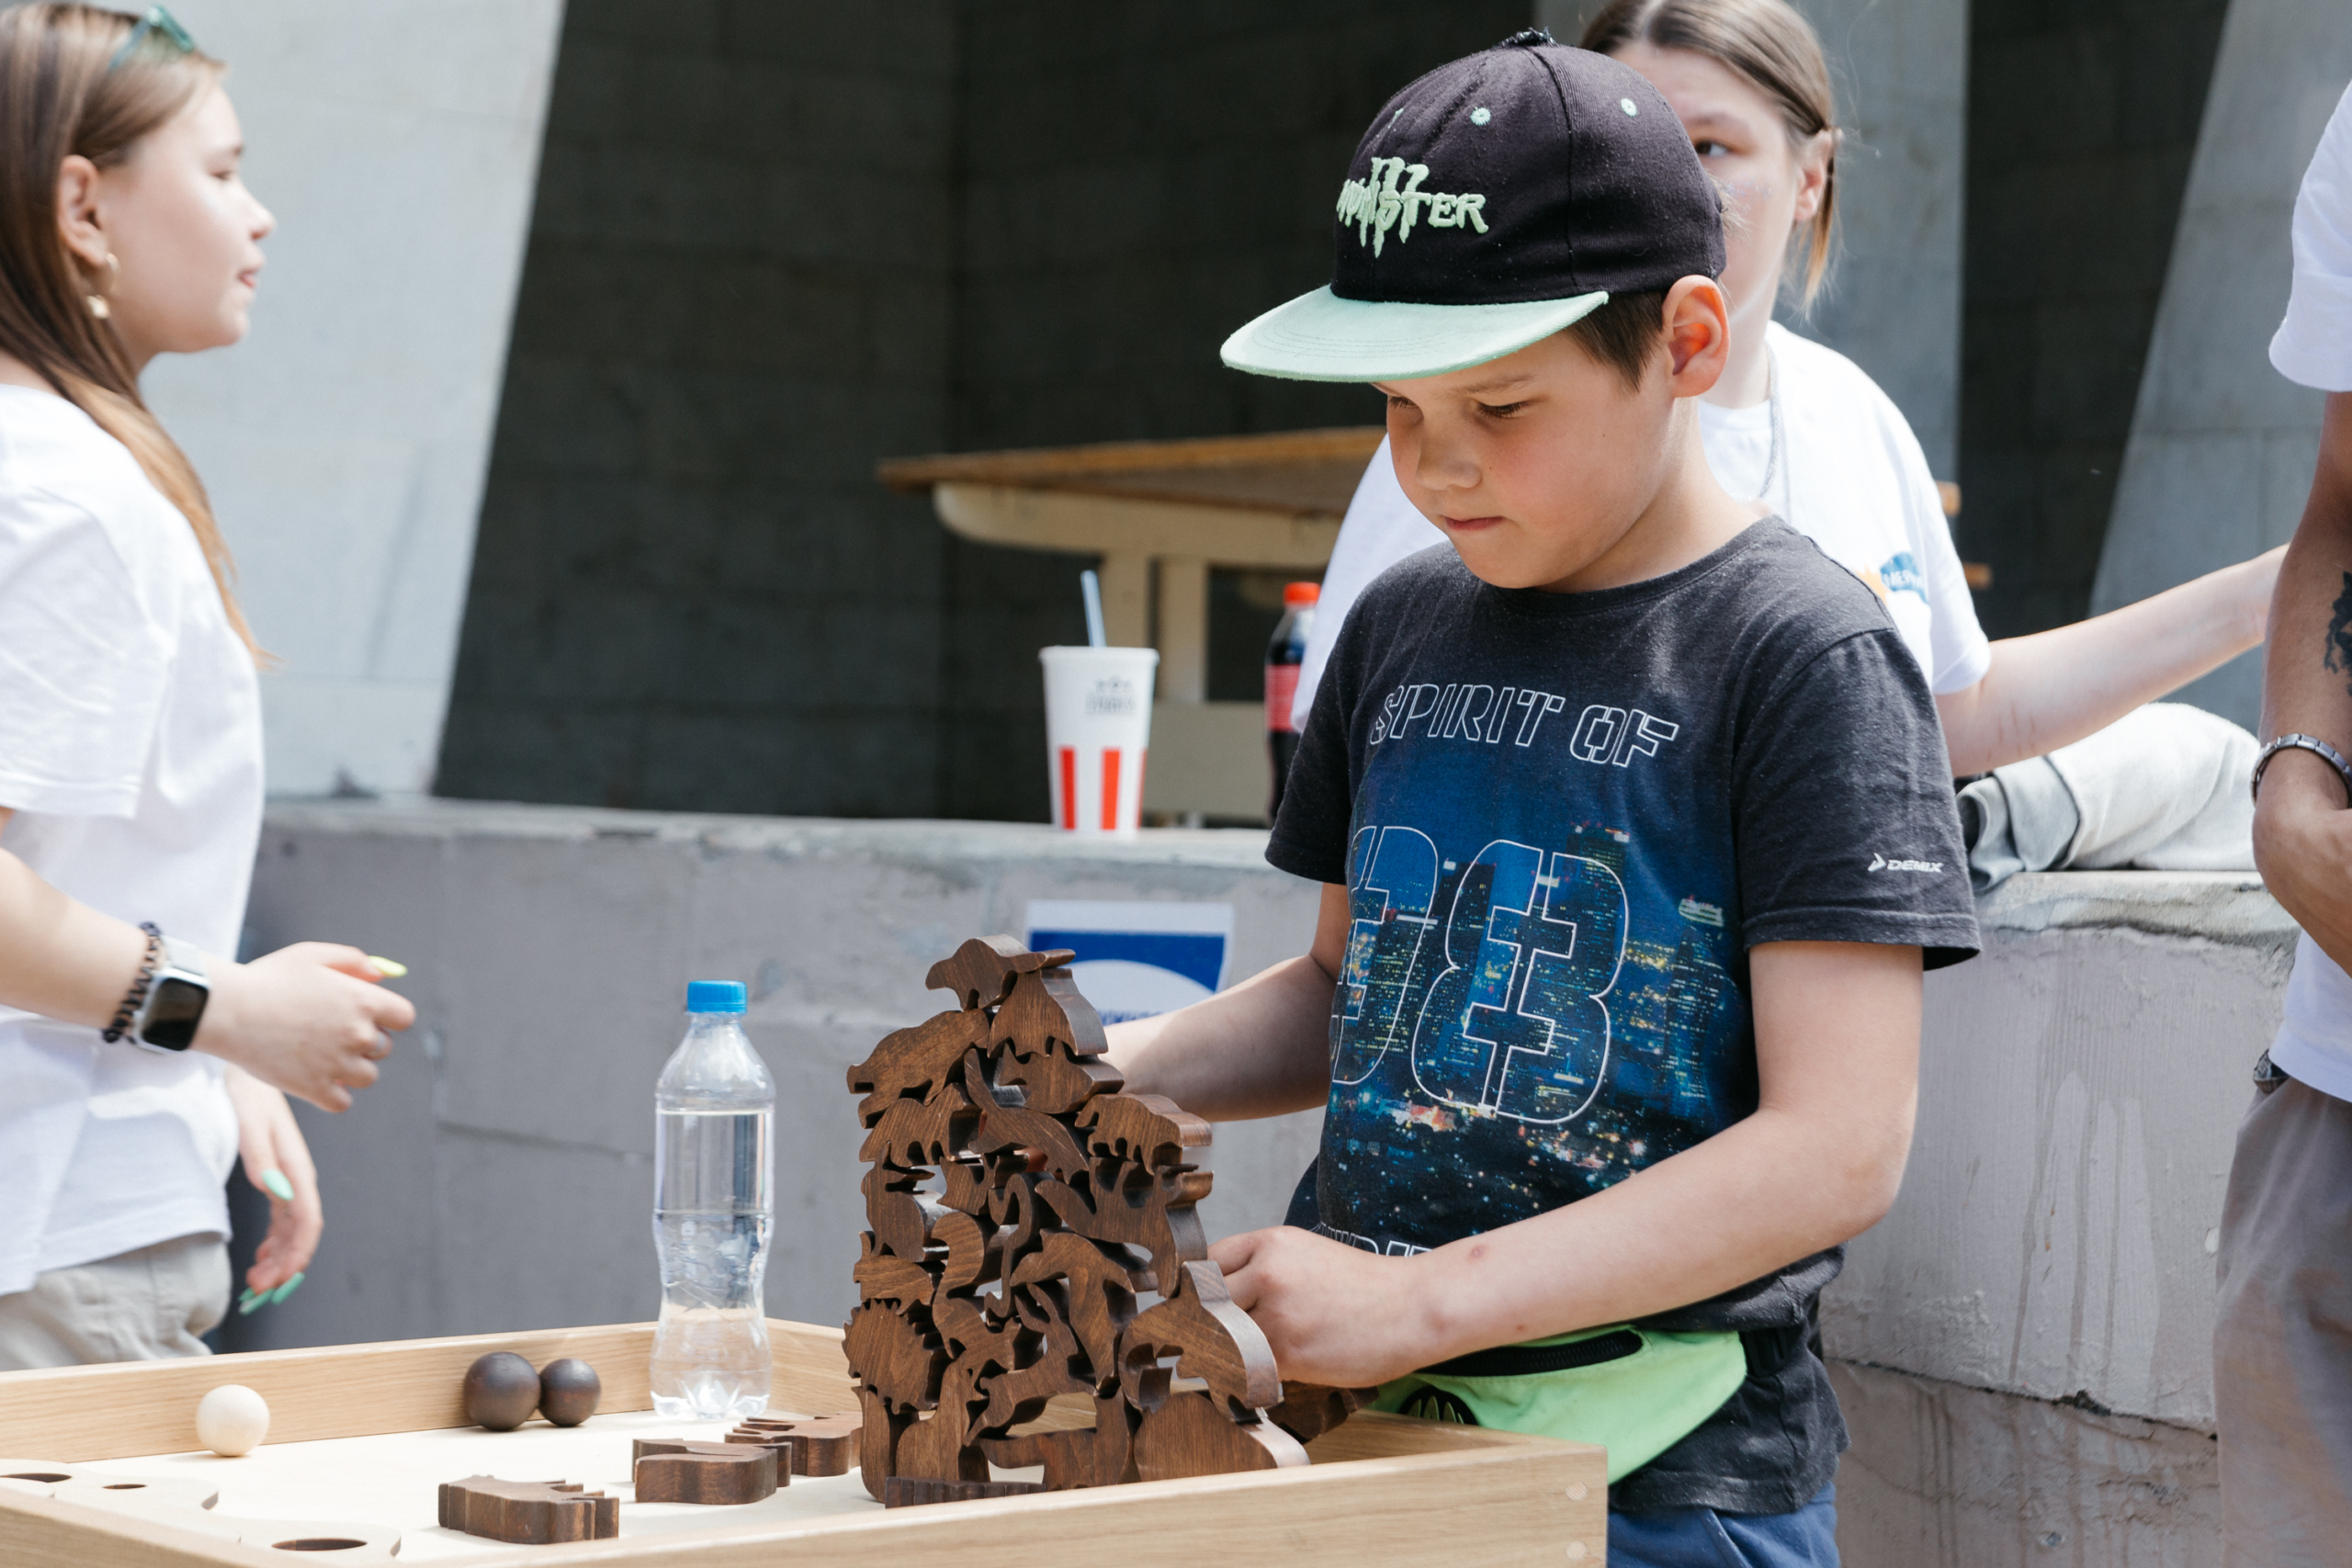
(130, 751)
(2313, 345)
(1852, 477)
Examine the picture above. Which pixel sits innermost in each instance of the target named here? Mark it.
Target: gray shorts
(2282, 1338)
(135, 1306)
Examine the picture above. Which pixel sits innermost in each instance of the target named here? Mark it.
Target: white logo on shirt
(1880, 862)
(1471, 711)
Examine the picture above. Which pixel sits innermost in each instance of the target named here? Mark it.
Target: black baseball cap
(1493, 202)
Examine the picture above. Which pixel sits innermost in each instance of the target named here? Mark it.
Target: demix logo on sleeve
(1880, 862)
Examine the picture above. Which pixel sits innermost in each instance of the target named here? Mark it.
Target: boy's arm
(2303, 834)
(1838, 1064)
(1260, 1049)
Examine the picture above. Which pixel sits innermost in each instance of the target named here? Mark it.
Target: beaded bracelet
(129, 1010)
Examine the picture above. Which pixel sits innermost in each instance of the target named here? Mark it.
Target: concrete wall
(2022, 1347)
(2026, 1340)
(1900, 71)
(2223, 446)
(1136, 181)
(2081, 122)
(778, 242)
(689, 591)
(343, 443)
(499, 1176)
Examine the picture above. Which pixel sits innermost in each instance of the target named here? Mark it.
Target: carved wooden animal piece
(984, 968)
(1187, 1435)
(1021, 1210)
(1310, 1409)
(528, 1513)
(807, 1445)
(709, 1473)
(908, 1492)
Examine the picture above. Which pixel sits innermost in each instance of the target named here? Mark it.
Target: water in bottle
(1284, 656)
(712, 1211)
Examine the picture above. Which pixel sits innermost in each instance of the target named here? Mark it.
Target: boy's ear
(1698, 335)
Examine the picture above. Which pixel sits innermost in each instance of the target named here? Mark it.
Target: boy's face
(1537, 465)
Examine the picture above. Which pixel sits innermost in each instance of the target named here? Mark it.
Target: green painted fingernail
(286, 1288)
(279, 1188)
(248, 1301)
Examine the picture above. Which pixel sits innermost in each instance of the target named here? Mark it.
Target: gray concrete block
(535, 1235)
(1942, 1475)
(2080, 1084)
(499, 1176)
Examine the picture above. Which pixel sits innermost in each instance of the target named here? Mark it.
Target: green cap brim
(1321, 337)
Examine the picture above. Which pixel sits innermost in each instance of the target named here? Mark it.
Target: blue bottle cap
(714, 996)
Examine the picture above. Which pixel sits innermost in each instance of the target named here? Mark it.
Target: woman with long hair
(1802, 429)
(137, 1058)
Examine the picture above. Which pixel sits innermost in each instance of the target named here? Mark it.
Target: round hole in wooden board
(45, 1475)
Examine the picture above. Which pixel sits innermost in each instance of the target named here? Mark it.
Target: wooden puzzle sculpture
(1019, 1209)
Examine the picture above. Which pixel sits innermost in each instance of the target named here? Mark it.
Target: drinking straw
(1091, 586)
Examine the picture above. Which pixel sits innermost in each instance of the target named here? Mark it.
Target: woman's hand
(1333, 1314)
(310, 1018)
(271, 1144)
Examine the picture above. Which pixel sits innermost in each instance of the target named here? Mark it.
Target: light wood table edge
(1522, 1499)
(1514, 1496)
(128, 1409)
(48, 1532)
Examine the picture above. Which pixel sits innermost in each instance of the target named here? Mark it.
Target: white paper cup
(1098, 726)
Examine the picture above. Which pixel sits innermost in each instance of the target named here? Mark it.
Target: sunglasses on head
(157, 24)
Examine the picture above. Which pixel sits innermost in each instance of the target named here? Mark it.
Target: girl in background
(136, 1058)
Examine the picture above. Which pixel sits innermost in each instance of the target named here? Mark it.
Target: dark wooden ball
(500, 1391)
(568, 1391)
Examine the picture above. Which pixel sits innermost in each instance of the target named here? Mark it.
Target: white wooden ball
(232, 1420)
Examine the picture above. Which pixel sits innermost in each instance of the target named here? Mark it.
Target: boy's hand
(1334, 1315)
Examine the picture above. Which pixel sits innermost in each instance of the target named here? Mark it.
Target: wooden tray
(1383, 1489)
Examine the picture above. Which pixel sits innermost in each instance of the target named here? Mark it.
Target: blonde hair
(1771, 45)
(61, 95)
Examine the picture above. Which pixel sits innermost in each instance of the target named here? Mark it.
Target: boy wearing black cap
(1636, 828)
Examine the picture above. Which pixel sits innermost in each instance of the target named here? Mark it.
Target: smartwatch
(175, 1003)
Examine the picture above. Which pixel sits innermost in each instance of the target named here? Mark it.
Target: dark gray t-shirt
(1562, 820)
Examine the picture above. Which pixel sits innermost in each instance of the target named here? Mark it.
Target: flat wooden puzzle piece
(528, 1513)
(807, 1445)
(711, 1474)
(909, 1491)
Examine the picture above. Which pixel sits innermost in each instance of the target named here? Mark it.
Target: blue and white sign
(1136, 958)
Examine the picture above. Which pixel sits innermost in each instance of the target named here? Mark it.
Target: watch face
(173, 1012)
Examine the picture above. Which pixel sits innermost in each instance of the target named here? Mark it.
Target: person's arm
(1819, 1162)
(2052, 688)
(1260, 1049)
(271, 1144)
(2303, 834)
(308, 1019)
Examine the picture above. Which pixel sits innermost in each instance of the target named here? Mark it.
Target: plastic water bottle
(712, 1211)
(1285, 653)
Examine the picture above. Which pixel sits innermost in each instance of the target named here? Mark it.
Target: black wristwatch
(174, 1002)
